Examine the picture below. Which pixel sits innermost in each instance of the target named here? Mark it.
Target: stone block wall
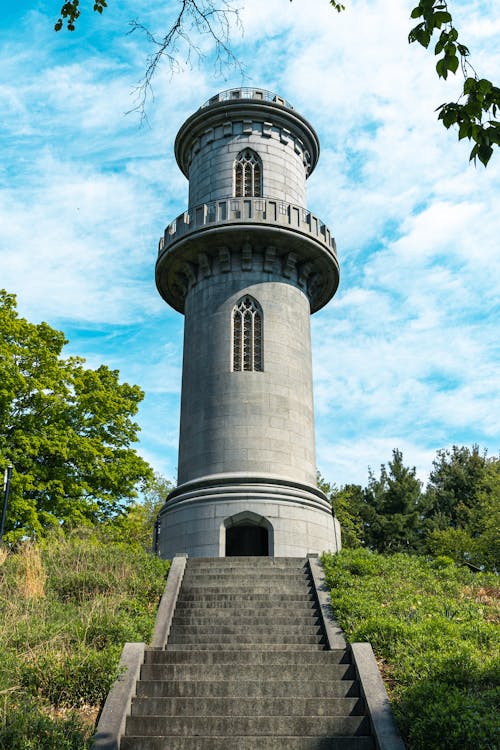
(247, 421)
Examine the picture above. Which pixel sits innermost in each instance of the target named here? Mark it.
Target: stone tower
(247, 264)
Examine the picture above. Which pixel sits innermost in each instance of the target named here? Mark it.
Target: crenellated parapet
(268, 211)
(246, 112)
(271, 129)
(211, 139)
(303, 254)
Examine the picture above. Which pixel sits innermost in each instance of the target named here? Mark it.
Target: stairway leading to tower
(246, 667)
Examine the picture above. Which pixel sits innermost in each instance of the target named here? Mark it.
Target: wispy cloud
(406, 354)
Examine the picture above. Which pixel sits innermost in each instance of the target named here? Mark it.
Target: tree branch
(476, 116)
(196, 18)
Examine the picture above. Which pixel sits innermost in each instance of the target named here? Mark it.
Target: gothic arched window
(248, 175)
(247, 335)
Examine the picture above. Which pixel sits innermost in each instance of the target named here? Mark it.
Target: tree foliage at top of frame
(474, 113)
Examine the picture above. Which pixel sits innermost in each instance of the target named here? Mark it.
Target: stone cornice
(194, 260)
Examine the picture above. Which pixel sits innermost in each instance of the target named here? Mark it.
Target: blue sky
(406, 355)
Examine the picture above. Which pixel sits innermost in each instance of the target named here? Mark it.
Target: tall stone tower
(247, 264)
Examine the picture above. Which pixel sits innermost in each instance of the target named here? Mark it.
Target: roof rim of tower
(213, 111)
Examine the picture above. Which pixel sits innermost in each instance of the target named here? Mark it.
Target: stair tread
(247, 742)
(246, 666)
(242, 706)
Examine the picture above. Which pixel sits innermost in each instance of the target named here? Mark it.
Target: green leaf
(484, 86)
(451, 63)
(441, 68)
(470, 85)
(464, 131)
(441, 43)
(420, 34)
(484, 153)
(441, 17)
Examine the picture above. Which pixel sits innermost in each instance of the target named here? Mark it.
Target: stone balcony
(257, 212)
(245, 92)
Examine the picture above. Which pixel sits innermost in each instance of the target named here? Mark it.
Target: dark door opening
(247, 541)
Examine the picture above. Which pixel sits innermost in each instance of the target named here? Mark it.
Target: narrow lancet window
(247, 335)
(248, 175)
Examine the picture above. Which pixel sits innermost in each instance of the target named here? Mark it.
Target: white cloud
(405, 355)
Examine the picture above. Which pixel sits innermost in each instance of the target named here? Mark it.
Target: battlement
(246, 93)
(249, 211)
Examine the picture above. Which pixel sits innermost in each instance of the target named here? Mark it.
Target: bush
(434, 628)
(26, 726)
(67, 606)
(81, 677)
(433, 717)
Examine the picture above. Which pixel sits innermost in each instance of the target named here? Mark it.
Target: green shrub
(67, 606)
(77, 678)
(451, 718)
(434, 628)
(26, 726)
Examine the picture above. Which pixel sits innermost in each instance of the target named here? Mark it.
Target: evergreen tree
(346, 502)
(462, 507)
(391, 508)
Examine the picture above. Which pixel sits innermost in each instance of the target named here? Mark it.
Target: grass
(434, 629)
(67, 606)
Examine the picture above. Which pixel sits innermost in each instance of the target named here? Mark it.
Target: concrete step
(245, 579)
(247, 605)
(182, 671)
(296, 657)
(248, 688)
(213, 587)
(239, 742)
(223, 627)
(237, 706)
(217, 618)
(246, 576)
(259, 598)
(215, 726)
(244, 646)
(241, 638)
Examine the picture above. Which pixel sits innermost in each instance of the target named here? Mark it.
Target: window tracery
(247, 335)
(248, 175)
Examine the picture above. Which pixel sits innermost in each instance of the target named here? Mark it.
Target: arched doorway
(247, 541)
(247, 534)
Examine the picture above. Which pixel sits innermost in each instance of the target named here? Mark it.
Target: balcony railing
(246, 93)
(259, 211)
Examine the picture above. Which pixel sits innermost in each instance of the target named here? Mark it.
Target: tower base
(229, 515)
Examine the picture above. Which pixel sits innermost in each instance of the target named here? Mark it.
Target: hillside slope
(434, 629)
(67, 606)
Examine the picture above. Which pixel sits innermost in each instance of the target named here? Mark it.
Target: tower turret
(247, 263)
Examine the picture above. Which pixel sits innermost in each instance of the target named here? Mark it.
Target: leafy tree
(138, 521)
(66, 429)
(475, 116)
(390, 509)
(462, 507)
(346, 502)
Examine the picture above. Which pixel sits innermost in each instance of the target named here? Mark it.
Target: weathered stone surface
(246, 446)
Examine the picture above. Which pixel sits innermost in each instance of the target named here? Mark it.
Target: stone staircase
(246, 667)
